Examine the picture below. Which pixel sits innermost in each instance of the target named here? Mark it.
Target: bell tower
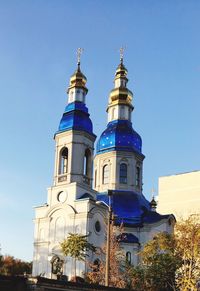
(71, 196)
(75, 137)
(119, 159)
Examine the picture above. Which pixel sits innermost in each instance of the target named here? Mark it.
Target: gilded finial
(79, 53)
(153, 193)
(122, 49)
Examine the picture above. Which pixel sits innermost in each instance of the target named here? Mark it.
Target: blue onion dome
(76, 117)
(119, 135)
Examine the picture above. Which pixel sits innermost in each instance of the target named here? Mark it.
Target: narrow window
(63, 161)
(78, 95)
(122, 112)
(95, 178)
(123, 174)
(105, 174)
(129, 114)
(137, 175)
(128, 258)
(113, 113)
(87, 163)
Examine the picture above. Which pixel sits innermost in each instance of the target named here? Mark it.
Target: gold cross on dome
(79, 53)
(122, 49)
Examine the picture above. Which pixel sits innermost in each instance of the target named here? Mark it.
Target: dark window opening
(128, 258)
(123, 174)
(137, 176)
(105, 174)
(87, 163)
(63, 161)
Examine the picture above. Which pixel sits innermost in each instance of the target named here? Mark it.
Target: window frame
(63, 161)
(105, 170)
(123, 173)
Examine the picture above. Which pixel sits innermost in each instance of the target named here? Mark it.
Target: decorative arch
(63, 161)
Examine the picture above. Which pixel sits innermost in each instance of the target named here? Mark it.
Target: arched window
(105, 174)
(137, 176)
(128, 258)
(63, 161)
(87, 163)
(123, 173)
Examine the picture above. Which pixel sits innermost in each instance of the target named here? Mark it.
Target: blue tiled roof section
(87, 196)
(131, 208)
(152, 216)
(76, 117)
(119, 135)
(128, 238)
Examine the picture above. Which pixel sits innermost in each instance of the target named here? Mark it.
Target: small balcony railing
(62, 178)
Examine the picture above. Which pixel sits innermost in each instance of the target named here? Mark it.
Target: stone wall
(44, 284)
(12, 283)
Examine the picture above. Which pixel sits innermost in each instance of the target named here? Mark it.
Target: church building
(78, 200)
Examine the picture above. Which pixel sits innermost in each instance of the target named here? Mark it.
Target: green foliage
(11, 266)
(158, 265)
(187, 234)
(167, 262)
(76, 246)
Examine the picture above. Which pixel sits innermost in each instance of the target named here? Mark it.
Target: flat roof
(184, 173)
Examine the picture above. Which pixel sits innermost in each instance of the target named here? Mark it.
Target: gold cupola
(78, 80)
(120, 95)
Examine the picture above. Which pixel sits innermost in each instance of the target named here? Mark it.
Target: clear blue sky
(38, 40)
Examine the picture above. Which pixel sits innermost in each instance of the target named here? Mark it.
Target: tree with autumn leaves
(12, 266)
(170, 262)
(159, 262)
(167, 262)
(187, 233)
(117, 274)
